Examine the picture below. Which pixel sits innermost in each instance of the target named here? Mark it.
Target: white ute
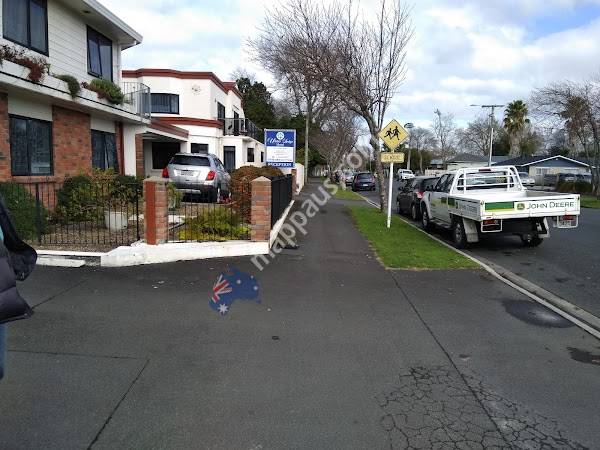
(493, 200)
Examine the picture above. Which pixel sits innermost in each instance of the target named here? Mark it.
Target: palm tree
(515, 120)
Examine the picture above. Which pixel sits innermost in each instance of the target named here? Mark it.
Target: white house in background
(45, 133)
(203, 115)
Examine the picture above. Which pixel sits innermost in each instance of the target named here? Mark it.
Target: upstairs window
(99, 55)
(104, 151)
(220, 111)
(25, 22)
(165, 103)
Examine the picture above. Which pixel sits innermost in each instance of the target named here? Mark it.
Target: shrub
(23, 211)
(241, 193)
(106, 89)
(38, 66)
(77, 200)
(577, 187)
(73, 84)
(218, 224)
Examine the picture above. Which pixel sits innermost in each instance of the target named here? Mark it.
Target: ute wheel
(425, 222)
(531, 240)
(414, 212)
(458, 234)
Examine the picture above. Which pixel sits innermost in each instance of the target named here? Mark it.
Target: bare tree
(422, 139)
(476, 137)
(577, 107)
(444, 130)
(288, 49)
(337, 138)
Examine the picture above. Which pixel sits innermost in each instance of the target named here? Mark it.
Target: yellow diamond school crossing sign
(393, 135)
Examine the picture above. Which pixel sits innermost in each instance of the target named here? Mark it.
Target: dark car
(410, 193)
(363, 182)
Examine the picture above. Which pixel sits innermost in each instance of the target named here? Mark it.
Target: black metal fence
(202, 216)
(75, 214)
(281, 196)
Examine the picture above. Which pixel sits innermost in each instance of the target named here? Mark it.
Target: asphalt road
(341, 353)
(567, 264)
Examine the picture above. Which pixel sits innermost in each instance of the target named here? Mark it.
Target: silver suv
(202, 175)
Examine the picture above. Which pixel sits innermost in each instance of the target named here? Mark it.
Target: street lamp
(492, 108)
(409, 126)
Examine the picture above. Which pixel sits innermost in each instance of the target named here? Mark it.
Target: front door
(229, 158)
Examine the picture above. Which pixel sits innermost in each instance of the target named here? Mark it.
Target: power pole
(409, 126)
(492, 110)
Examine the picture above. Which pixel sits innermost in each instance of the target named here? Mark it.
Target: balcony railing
(137, 95)
(241, 127)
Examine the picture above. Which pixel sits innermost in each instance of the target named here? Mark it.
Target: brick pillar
(157, 211)
(120, 147)
(294, 185)
(5, 170)
(261, 209)
(72, 140)
(139, 156)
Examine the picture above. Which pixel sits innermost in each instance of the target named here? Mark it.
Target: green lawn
(347, 195)
(402, 246)
(587, 201)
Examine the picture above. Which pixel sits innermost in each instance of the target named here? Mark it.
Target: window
(448, 183)
(440, 183)
(185, 160)
(99, 55)
(229, 157)
(262, 156)
(250, 155)
(104, 151)
(165, 103)
(30, 146)
(220, 111)
(199, 148)
(25, 22)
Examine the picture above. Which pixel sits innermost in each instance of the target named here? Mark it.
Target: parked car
(348, 177)
(363, 181)
(404, 174)
(527, 180)
(410, 193)
(553, 179)
(199, 175)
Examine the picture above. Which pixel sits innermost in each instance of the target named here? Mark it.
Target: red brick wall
(72, 142)
(4, 138)
(120, 149)
(261, 209)
(139, 156)
(156, 214)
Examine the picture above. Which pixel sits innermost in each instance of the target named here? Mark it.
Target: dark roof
(528, 160)
(467, 157)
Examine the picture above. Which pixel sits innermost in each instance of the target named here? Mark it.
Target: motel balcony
(242, 127)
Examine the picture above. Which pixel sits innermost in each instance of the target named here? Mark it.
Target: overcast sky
(463, 52)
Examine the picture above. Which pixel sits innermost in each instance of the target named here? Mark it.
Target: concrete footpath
(340, 353)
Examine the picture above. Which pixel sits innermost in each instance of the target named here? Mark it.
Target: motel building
(193, 112)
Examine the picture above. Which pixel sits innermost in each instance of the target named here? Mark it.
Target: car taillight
(165, 173)
(211, 175)
(491, 222)
(568, 217)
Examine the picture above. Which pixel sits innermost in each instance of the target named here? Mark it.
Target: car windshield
(183, 160)
(364, 177)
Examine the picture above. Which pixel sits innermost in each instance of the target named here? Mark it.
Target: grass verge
(588, 201)
(347, 195)
(403, 247)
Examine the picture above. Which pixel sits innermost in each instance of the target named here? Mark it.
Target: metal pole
(389, 209)
(491, 136)
(307, 130)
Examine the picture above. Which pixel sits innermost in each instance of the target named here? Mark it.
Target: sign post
(280, 148)
(392, 135)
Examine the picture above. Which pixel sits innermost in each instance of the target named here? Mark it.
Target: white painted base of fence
(141, 254)
(277, 227)
(57, 261)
